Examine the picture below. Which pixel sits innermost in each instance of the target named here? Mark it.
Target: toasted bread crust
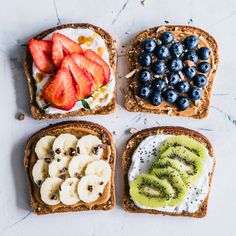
(133, 105)
(127, 203)
(40, 208)
(36, 111)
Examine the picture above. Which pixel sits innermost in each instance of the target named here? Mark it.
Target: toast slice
(132, 144)
(78, 129)
(39, 113)
(197, 109)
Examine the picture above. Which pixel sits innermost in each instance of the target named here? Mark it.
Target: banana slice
(68, 191)
(44, 146)
(78, 165)
(64, 145)
(59, 167)
(40, 171)
(89, 188)
(100, 168)
(49, 190)
(90, 145)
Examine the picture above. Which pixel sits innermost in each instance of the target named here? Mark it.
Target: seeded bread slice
(132, 145)
(36, 111)
(197, 110)
(74, 127)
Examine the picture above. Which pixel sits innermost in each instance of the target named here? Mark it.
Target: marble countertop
(20, 20)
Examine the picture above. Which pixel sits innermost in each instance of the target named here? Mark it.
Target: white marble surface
(20, 20)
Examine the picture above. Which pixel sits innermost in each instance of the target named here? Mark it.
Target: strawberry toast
(70, 71)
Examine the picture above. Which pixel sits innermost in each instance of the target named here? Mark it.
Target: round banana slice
(78, 165)
(49, 191)
(90, 145)
(100, 168)
(68, 191)
(63, 145)
(59, 167)
(40, 171)
(44, 146)
(90, 188)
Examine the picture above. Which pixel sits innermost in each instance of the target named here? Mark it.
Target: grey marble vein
(56, 11)
(223, 19)
(119, 12)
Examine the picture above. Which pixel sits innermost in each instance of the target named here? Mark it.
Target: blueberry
(149, 45)
(159, 84)
(191, 42)
(173, 78)
(155, 98)
(145, 76)
(182, 87)
(162, 52)
(144, 92)
(175, 64)
(204, 67)
(192, 56)
(145, 59)
(204, 53)
(182, 103)
(170, 95)
(195, 93)
(158, 67)
(176, 49)
(167, 37)
(199, 80)
(189, 72)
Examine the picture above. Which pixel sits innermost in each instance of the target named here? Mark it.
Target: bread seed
(132, 130)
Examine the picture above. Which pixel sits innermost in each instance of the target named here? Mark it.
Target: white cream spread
(99, 98)
(142, 159)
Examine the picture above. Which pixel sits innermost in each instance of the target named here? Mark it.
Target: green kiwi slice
(151, 191)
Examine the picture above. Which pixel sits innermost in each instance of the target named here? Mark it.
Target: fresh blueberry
(182, 103)
(159, 84)
(192, 56)
(145, 59)
(189, 72)
(158, 67)
(195, 93)
(176, 49)
(149, 45)
(155, 98)
(167, 37)
(204, 53)
(173, 78)
(144, 92)
(170, 95)
(145, 76)
(182, 87)
(199, 80)
(162, 52)
(191, 42)
(175, 64)
(204, 67)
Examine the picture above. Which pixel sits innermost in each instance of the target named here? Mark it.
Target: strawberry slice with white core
(41, 51)
(62, 46)
(60, 91)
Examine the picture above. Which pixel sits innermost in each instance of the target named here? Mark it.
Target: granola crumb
(167, 22)
(142, 2)
(21, 116)
(132, 130)
(115, 132)
(130, 74)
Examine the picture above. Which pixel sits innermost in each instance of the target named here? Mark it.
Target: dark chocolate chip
(72, 152)
(101, 183)
(58, 151)
(90, 188)
(48, 160)
(78, 150)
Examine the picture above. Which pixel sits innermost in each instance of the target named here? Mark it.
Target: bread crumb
(132, 130)
(142, 2)
(130, 74)
(167, 22)
(115, 132)
(145, 121)
(21, 116)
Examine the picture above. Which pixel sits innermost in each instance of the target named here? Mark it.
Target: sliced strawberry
(91, 67)
(60, 91)
(93, 56)
(83, 81)
(61, 46)
(41, 51)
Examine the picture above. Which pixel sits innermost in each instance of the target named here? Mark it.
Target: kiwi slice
(174, 178)
(151, 191)
(187, 142)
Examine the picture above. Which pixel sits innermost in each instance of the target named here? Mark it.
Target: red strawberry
(61, 46)
(91, 67)
(60, 91)
(93, 56)
(83, 81)
(41, 51)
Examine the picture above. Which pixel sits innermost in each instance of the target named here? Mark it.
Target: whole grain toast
(36, 111)
(197, 110)
(132, 144)
(76, 128)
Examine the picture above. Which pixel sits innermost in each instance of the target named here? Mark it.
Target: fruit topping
(182, 103)
(149, 45)
(170, 95)
(199, 80)
(189, 72)
(173, 78)
(144, 92)
(204, 67)
(167, 38)
(195, 93)
(145, 59)
(155, 98)
(158, 84)
(176, 49)
(191, 42)
(145, 76)
(182, 86)
(175, 64)
(191, 56)
(162, 52)
(158, 67)
(204, 53)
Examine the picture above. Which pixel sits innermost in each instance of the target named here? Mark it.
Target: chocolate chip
(78, 175)
(63, 170)
(59, 188)
(58, 151)
(72, 152)
(104, 138)
(95, 150)
(53, 197)
(62, 177)
(52, 153)
(100, 194)
(58, 160)
(48, 160)
(78, 150)
(90, 188)
(101, 183)
(39, 182)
